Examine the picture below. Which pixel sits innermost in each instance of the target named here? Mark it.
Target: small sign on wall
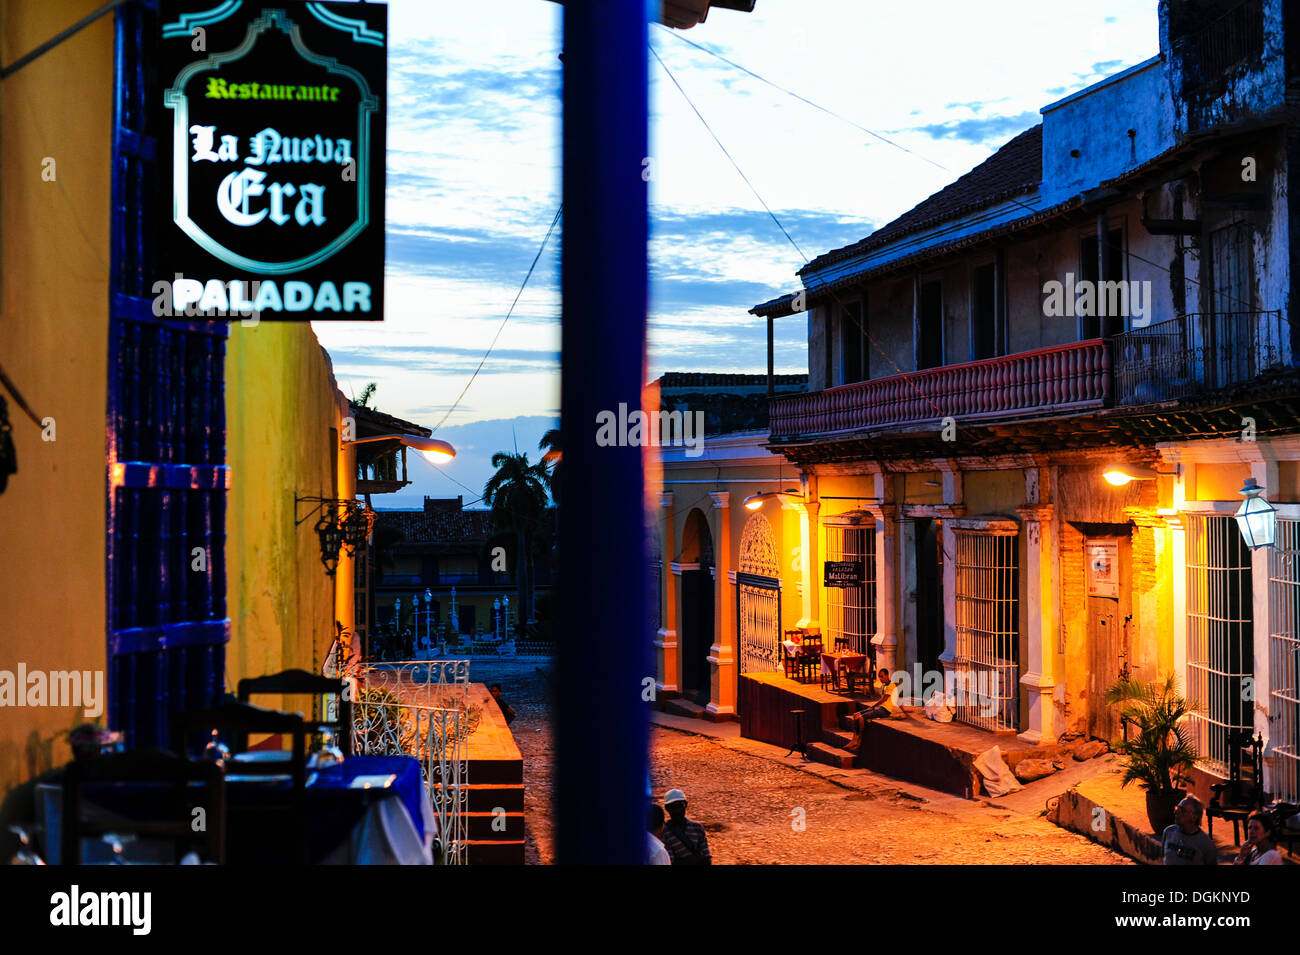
(842, 573)
(1103, 568)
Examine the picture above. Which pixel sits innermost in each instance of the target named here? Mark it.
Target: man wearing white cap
(684, 839)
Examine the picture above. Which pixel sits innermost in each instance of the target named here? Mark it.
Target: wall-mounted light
(1119, 475)
(434, 450)
(1256, 517)
(755, 501)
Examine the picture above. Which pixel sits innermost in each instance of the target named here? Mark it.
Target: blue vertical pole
(603, 647)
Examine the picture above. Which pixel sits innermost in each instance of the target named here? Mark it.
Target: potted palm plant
(1162, 754)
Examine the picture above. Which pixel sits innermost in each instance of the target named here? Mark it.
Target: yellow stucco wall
(54, 255)
(281, 404)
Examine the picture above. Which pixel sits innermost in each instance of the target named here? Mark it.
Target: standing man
(1184, 842)
(656, 854)
(683, 838)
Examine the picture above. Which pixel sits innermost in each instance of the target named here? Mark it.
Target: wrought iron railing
(1046, 380)
(1210, 51)
(421, 708)
(1198, 352)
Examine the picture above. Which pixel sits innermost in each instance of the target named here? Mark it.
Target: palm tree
(516, 493)
(367, 394)
(550, 443)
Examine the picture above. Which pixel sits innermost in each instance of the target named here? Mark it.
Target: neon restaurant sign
(271, 158)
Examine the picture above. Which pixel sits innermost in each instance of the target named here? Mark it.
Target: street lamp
(755, 501)
(1256, 517)
(1119, 475)
(434, 450)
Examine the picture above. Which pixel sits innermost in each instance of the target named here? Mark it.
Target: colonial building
(1109, 292)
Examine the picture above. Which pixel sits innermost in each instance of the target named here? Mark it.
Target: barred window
(1284, 662)
(987, 655)
(851, 611)
(1220, 660)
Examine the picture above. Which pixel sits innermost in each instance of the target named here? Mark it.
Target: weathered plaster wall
(54, 254)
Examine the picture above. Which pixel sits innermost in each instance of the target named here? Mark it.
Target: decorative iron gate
(758, 598)
(421, 708)
(987, 656)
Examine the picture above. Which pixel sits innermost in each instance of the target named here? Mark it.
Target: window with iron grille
(1284, 660)
(167, 474)
(987, 654)
(851, 611)
(1220, 638)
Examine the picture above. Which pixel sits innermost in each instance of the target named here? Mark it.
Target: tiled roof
(382, 423)
(1013, 170)
(704, 379)
(439, 525)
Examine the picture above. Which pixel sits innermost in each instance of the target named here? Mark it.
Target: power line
(862, 328)
(804, 99)
(501, 327)
(1013, 200)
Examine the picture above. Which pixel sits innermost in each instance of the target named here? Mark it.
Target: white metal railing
(421, 708)
(1284, 660)
(1220, 640)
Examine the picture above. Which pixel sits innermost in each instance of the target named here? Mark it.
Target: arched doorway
(758, 598)
(697, 606)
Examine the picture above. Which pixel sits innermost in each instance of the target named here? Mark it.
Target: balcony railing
(1047, 381)
(1197, 353)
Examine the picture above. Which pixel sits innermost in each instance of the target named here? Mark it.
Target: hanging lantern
(1256, 517)
(331, 536)
(358, 524)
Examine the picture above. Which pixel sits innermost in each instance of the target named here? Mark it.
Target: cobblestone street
(762, 810)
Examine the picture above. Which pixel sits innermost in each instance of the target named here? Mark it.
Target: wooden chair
(237, 721)
(810, 657)
(789, 660)
(142, 767)
(302, 682)
(1243, 793)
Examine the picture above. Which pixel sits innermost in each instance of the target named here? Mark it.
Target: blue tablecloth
(333, 808)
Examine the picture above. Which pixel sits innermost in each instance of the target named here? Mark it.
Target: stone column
(667, 658)
(1042, 620)
(953, 498)
(722, 655)
(887, 585)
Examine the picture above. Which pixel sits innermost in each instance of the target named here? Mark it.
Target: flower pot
(1160, 808)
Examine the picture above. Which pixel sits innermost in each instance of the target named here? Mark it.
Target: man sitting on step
(886, 707)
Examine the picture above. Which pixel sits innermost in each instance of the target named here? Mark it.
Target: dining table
(366, 810)
(842, 662)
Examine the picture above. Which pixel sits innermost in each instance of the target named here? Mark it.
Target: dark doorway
(929, 593)
(851, 344)
(929, 312)
(697, 607)
(984, 330)
(1092, 326)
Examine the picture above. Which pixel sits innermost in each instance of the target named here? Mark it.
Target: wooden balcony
(1045, 383)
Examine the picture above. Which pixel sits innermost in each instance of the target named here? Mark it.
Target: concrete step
(837, 738)
(684, 707)
(830, 755)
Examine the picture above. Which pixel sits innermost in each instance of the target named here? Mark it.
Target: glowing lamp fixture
(1256, 517)
(755, 501)
(1119, 475)
(435, 451)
